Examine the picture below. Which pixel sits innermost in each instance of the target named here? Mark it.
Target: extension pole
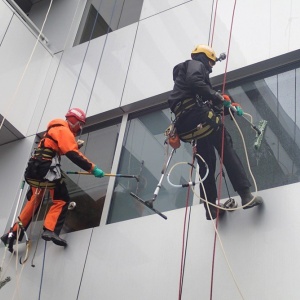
(149, 203)
(252, 125)
(259, 132)
(106, 174)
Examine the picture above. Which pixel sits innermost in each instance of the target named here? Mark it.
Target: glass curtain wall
(103, 16)
(87, 191)
(145, 155)
(274, 163)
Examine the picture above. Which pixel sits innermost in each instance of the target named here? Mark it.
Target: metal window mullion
(114, 170)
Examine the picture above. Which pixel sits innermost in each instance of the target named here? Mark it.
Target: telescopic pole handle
(106, 174)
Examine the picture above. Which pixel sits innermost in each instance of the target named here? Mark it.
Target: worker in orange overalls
(43, 173)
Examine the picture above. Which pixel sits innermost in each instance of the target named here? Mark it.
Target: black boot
(214, 211)
(247, 197)
(52, 236)
(8, 240)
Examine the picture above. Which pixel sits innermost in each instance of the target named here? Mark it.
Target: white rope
(221, 243)
(190, 183)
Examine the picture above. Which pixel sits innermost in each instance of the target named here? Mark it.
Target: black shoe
(247, 197)
(214, 212)
(52, 236)
(8, 240)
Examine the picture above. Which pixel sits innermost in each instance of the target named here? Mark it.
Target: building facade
(114, 59)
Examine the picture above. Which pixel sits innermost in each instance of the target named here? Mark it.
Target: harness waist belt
(184, 106)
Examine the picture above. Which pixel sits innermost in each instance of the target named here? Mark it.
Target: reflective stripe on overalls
(203, 129)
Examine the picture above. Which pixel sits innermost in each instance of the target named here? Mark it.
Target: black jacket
(191, 78)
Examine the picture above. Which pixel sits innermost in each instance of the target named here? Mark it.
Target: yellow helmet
(208, 51)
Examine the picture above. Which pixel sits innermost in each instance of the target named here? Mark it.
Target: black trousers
(234, 168)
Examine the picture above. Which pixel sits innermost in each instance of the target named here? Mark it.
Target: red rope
(184, 241)
(222, 154)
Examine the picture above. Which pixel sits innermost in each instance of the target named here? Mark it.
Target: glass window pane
(144, 154)
(273, 99)
(103, 16)
(86, 190)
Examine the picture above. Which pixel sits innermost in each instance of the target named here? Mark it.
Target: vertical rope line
(42, 274)
(295, 115)
(228, 49)
(214, 23)
(185, 235)
(210, 23)
(87, 253)
(85, 53)
(222, 151)
(101, 55)
(59, 62)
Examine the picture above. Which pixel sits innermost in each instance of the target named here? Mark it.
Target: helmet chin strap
(80, 133)
(73, 126)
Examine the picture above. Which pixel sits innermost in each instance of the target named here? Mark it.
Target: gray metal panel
(5, 18)
(140, 259)
(57, 272)
(8, 133)
(13, 160)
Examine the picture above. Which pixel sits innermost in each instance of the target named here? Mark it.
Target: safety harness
(211, 122)
(42, 160)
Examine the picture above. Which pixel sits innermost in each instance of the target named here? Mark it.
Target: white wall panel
(13, 161)
(166, 39)
(57, 272)
(65, 84)
(142, 256)
(151, 7)
(110, 81)
(35, 123)
(163, 41)
(62, 21)
(261, 30)
(91, 75)
(5, 17)
(21, 79)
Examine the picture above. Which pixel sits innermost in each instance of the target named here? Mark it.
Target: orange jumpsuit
(60, 139)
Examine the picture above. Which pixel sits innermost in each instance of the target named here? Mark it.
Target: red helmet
(77, 113)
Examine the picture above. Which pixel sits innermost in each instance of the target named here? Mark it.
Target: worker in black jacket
(198, 109)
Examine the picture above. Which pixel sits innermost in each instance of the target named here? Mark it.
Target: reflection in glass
(103, 16)
(274, 99)
(275, 163)
(144, 154)
(87, 191)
